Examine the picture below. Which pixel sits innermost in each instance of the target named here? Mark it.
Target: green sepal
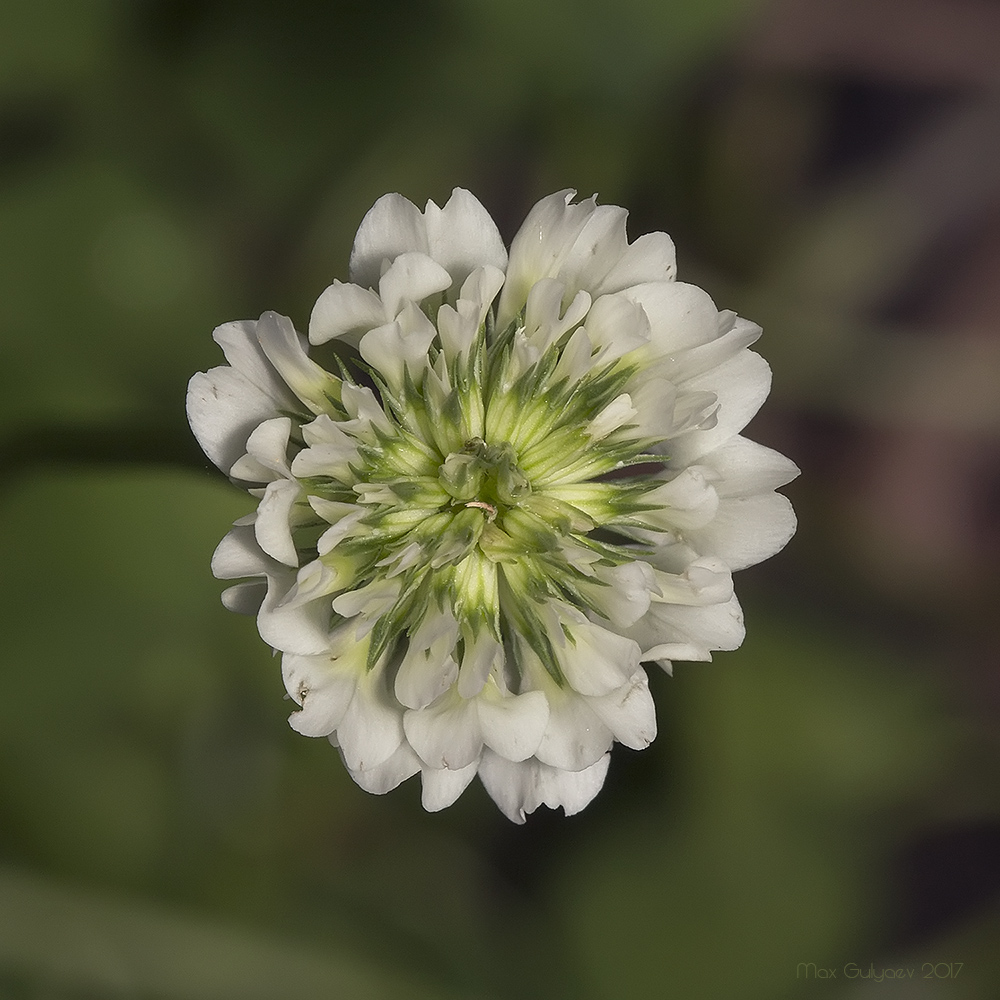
(474, 593)
(529, 530)
(458, 538)
(407, 612)
(564, 517)
(518, 618)
(462, 475)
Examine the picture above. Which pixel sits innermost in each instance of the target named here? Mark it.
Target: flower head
(489, 490)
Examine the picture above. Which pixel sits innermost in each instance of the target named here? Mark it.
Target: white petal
(366, 411)
(243, 351)
(629, 712)
(512, 725)
(596, 250)
(693, 411)
(325, 430)
(596, 660)
(541, 244)
(687, 501)
(422, 679)
(345, 311)
(741, 385)
(333, 511)
(462, 236)
(577, 357)
(223, 408)
(524, 354)
(398, 561)
(392, 226)
(386, 776)
(572, 790)
(330, 453)
(680, 316)
(285, 349)
(446, 734)
(481, 655)
(391, 350)
(273, 526)
(371, 600)
(616, 325)
(372, 727)
(678, 632)
(654, 401)
(238, 554)
(459, 324)
(344, 528)
(520, 788)
(244, 598)
(411, 278)
(745, 468)
(617, 413)
(303, 629)
(428, 668)
(513, 787)
(747, 530)
(575, 737)
(650, 258)
(268, 444)
(695, 360)
(437, 633)
(313, 581)
(249, 470)
(622, 595)
(544, 319)
(322, 687)
(706, 580)
(328, 459)
(442, 786)
(480, 288)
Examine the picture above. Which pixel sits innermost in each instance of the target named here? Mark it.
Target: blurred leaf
(594, 50)
(111, 660)
(56, 939)
(47, 43)
(109, 295)
(823, 724)
(709, 911)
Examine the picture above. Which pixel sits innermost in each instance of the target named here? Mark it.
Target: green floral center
(489, 496)
(485, 476)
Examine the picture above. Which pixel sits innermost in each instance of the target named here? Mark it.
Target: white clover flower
(509, 484)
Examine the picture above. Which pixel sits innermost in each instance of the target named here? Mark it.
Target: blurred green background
(828, 794)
